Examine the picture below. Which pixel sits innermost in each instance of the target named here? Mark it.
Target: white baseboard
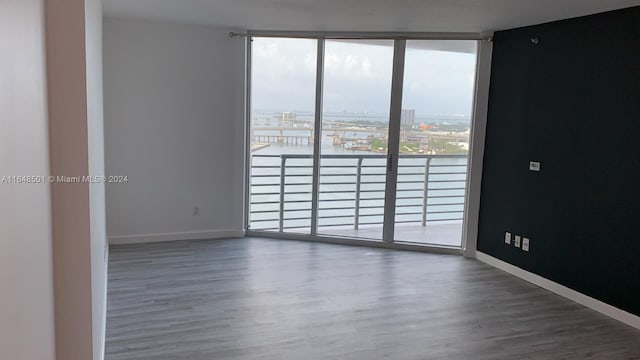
(103, 338)
(597, 305)
(187, 235)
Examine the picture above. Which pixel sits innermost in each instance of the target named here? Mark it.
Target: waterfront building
(407, 118)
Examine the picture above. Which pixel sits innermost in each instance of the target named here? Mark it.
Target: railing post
(426, 191)
(283, 162)
(356, 222)
(248, 202)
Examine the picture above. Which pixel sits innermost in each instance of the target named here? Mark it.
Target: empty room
(298, 179)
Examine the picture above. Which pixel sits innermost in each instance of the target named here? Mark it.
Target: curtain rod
(366, 35)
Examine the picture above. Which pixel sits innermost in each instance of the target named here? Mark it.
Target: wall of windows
(361, 138)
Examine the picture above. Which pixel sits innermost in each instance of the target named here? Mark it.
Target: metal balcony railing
(351, 190)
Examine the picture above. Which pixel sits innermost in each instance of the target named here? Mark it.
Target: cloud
(358, 77)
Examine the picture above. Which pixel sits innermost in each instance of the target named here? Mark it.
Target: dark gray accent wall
(571, 102)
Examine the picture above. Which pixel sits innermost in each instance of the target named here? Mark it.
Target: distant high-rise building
(407, 118)
(288, 117)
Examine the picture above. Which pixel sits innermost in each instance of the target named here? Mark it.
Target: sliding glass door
(355, 131)
(283, 75)
(360, 138)
(437, 101)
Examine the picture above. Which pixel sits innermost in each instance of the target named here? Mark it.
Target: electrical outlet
(516, 243)
(507, 238)
(534, 165)
(196, 211)
(525, 244)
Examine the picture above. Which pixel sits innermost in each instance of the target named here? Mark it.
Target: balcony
(429, 206)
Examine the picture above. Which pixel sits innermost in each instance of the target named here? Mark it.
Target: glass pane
(439, 82)
(283, 77)
(355, 126)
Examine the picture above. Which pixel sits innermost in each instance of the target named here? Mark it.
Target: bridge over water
(341, 135)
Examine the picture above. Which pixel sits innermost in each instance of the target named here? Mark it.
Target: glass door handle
(389, 163)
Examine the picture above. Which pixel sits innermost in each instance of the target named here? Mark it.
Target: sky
(357, 77)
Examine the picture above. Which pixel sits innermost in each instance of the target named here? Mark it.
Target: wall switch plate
(525, 244)
(534, 165)
(516, 243)
(507, 238)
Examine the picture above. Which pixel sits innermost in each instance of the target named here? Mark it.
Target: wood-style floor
(280, 300)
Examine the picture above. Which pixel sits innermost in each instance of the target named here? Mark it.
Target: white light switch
(525, 244)
(534, 165)
(516, 243)
(507, 238)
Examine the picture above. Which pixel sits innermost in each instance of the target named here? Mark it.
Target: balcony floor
(438, 233)
(435, 233)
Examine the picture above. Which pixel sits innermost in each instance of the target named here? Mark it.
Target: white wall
(26, 298)
(76, 145)
(95, 133)
(173, 125)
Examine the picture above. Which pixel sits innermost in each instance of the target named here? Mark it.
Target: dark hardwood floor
(278, 299)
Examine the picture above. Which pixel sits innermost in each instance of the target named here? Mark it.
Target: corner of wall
(478, 133)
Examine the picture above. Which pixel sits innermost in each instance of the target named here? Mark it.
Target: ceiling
(362, 15)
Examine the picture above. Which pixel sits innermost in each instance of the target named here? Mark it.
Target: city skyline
(308, 116)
